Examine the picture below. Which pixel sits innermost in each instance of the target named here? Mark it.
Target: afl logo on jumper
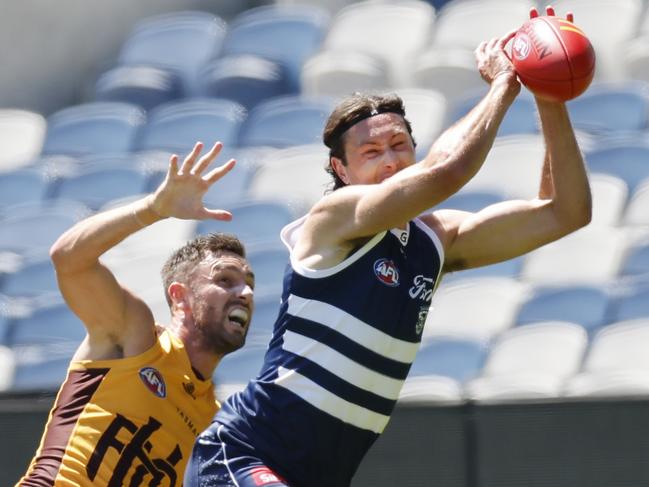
(153, 381)
(386, 272)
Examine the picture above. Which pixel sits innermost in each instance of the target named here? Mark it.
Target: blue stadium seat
(471, 200)
(93, 128)
(94, 187)
(142, 85)
(183, 41)
(460, 359)
(248, 79)
(521, 118)
(612, 108)
(22, 185)
(33, 281)
(263, 320)
(253, 221)
(44, 342)
(586, 305)
(285, 33)
(632, 303)
(286, 121)
(177, 126)
(626, 160)
(636, 259)
(269, 263)
(237, 368)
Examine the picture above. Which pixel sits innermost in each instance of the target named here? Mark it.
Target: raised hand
(549, 10)
(493, 61)
(180, 195)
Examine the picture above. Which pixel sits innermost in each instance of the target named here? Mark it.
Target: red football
(553, 58)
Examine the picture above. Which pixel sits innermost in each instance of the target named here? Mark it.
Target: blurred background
(532, 372)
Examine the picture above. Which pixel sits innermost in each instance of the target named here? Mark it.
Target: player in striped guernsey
(364, 263)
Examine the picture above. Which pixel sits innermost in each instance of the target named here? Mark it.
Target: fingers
(191, 158)
(570, 17)
(534, 13)
(218, 172)
(549, 10)
(207, 159)
(217, 214)
(502, 42)
(173, 165)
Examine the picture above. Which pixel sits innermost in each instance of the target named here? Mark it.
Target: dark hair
(350, 111)
(184, 260)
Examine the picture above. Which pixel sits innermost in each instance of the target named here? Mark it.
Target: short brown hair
(350, 111)
(184, 260)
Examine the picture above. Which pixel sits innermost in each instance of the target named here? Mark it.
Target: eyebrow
(220, 266)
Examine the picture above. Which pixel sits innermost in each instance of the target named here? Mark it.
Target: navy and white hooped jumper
(341, 349)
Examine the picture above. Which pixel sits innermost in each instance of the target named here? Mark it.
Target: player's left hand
(180, 195)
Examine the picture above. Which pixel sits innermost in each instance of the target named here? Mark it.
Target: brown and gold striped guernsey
(121, 422)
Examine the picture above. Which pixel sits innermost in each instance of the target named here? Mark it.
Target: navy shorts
(216, 463)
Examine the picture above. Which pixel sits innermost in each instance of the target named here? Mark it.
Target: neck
(203, 362)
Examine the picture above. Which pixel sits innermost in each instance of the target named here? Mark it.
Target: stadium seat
(94, 187)
(512, 167)
(632, 303)
(236, 369)
(253, 221)
(451, 71)
(247, 79)
(93, 128)
(494, 303)
(21, 137)
(591, 255)
(440, 368)
(269, 263)
(608, 37)
(288, 34)
(635, 261)
(263, 321)
(616, 363)
(182, 40)
(636, 57)
(465, 24)
(34, 282)
(286, 121)
(22, 186)
(472, 201)
(7, 368)
(43, 344)
(609, 197)
(304, 163)
(530, 362)
(613, 108)
(636, 211)
(33, 231)
(177, 126)
(626, 160)
(341, 72)
(143, 85)
(521, 117)
(426, 111)
(393, 31)
(587, 305)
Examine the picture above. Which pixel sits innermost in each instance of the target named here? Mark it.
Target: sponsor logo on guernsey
(421, 320)
(386, 272)
(265, 476)
(422, 288)
(153, 381)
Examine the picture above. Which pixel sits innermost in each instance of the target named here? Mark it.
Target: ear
(340, 168)
(178, 295)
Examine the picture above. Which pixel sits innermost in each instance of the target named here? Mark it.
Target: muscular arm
(118, 322)
(509, 229)
(358, 211)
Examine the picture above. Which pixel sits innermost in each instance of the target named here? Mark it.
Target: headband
(344, 127)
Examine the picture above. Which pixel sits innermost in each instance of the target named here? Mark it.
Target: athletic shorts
(215, 463)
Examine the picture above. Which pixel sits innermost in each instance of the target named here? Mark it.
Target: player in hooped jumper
(363, 265)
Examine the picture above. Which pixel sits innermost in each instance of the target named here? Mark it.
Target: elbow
(577, 216)
(60, 255)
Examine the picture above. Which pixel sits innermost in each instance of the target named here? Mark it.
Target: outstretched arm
(118, 322)
(361, 210)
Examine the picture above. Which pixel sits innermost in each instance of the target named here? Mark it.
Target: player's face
(222, 301)
(376, 148)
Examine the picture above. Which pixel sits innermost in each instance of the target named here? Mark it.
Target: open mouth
(239, 316)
